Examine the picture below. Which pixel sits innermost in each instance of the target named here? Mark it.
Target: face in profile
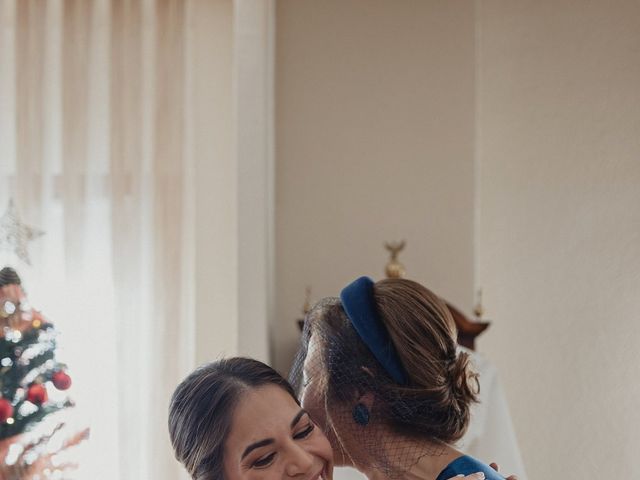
(313, 397)
(272, 437)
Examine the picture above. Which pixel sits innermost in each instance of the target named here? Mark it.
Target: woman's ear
(368, 371)
(362, 403)
(366, 399)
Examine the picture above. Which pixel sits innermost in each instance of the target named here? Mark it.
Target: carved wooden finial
(394, 268)
(306, 308)
(479, 309)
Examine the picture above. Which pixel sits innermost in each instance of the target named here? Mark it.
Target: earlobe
(366, 399)
(361, 414)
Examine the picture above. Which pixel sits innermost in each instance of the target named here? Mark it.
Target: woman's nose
(299, 461)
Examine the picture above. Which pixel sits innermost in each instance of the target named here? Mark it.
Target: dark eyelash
(263, 462)
(305, 433)
(266, 461)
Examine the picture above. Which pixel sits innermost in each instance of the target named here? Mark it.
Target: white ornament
(14, 234)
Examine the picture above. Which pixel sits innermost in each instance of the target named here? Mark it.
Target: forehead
(263, 412)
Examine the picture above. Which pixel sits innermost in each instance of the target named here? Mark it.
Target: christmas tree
(29, 370)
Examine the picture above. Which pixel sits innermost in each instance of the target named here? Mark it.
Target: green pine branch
(22, 424)
(18, 371)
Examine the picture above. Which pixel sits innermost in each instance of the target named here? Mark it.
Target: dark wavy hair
(202, 406)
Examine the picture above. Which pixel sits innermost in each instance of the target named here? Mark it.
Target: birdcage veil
(376, 420)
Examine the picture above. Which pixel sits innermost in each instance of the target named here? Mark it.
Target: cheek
(323, 446)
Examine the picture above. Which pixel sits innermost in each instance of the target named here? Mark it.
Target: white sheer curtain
(92, 149)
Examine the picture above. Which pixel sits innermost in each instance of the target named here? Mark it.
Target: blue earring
(361, 414)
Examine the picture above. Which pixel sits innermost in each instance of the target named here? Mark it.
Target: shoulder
(467, 465)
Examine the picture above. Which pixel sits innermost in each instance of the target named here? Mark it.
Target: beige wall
(374, 142)
(214, 177)
(229, 117)
(559, 236)
(376, 111)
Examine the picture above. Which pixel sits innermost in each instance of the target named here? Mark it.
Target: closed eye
(267, 460)
(264, 461)
(305, 433)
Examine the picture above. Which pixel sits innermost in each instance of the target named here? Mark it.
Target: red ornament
(6, 410)
(37, 394)
(61, 380)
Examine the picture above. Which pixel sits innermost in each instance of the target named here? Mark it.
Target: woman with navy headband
(380, 371)
(238, 419)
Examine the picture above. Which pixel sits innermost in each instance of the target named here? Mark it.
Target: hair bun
(464, 380)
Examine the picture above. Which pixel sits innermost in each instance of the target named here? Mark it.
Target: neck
(427, 467)
(430, 466)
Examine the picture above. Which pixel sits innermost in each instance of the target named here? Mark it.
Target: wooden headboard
(468, 329)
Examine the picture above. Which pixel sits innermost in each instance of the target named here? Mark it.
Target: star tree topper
(14, 234)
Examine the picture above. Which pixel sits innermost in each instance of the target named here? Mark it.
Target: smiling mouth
(321, 475)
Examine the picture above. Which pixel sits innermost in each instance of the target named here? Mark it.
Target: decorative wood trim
(468, 329)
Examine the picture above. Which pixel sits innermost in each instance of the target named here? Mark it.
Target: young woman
(380, 372)
(238, 419)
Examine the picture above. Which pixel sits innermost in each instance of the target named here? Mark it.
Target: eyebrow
(255, 445)
(268, 441)
(297, 418)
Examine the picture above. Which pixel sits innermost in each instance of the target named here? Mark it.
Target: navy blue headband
(357, 300)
